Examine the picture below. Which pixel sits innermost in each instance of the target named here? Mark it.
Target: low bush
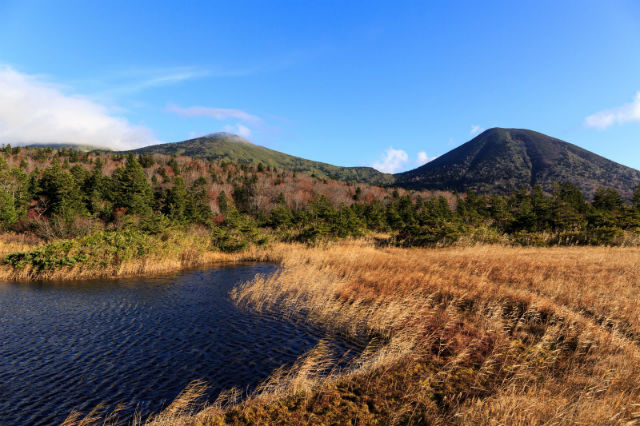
(236, 233)
(99, 249)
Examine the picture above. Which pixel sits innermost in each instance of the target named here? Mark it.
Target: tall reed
(481, 335)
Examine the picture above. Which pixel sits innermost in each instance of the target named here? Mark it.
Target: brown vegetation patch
(482, 335)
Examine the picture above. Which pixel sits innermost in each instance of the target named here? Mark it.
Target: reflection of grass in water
(482, 335)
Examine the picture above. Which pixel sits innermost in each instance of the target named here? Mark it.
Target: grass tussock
(482, 335)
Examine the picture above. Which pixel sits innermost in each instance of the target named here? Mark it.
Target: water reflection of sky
(139, 341)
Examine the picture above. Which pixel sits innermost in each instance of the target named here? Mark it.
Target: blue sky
(390, 84)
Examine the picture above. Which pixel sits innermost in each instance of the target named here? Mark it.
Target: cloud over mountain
(33, 110)
(626, 113)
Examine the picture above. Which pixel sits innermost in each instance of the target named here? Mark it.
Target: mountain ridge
(499, 160)
(502, 160)
(222, 145)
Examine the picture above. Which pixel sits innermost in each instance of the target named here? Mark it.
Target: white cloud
(392, 161)
(243, 131)
(222, 114)
(626, 113)
(195, 135)
(217, 113)
(239, 130)
(36, 111)
(423, 158)
(475, 130)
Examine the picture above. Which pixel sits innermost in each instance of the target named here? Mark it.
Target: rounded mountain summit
(501, 161)
(497, 161)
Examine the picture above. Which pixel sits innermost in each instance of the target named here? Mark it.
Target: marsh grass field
(466, 335)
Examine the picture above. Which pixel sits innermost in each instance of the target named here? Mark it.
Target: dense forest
(56, 194)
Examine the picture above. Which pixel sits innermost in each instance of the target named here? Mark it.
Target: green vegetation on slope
(501, 161)
(498, 161)
(226, 146)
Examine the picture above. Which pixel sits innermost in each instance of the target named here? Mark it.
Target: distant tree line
(66, 200)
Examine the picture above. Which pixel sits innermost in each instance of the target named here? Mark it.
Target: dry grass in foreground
(484, 335)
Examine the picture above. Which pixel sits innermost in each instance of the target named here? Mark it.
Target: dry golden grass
(10, 243)
(153, 265)
(187, 250)
(519, 335)
(484, 335)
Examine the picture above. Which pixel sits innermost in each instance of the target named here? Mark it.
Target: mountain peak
(498, 160)
(227, 146)
(223, 136)
(502, 160)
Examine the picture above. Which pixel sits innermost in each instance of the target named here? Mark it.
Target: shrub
(237, 232)
(100, 249)
(436, 234)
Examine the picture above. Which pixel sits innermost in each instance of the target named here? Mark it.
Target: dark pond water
(138, 341)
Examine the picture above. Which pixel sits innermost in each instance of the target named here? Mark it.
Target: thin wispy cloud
(34, 110)
(168, 77)
(217, 113)
(627, 113)
(132, 81)
(476, 130)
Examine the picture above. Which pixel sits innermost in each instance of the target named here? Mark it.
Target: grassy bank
(482, 335)
(110, 254)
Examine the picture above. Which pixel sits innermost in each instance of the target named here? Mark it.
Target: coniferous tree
(223, 202)
(636, 198)
(571, 195)
(61, 190)
(241, 197)
(281, 214)
(607, 199)
(33, 187)
(499, 212)
(131, 189)
(8, 213)
(14, 194)
(358, 194)
(198, 209)
(174, 165)
(94, 188)
(542, 208)
(146, 160)
(176, 200)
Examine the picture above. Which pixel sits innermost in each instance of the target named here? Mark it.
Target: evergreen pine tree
(176, 200)
(223, 202)
(131, 189)
(198, 209)
(61, 190)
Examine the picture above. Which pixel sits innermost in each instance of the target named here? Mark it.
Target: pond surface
(138, 341)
